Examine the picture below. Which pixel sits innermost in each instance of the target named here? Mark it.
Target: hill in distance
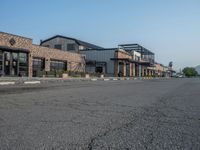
(198, 69)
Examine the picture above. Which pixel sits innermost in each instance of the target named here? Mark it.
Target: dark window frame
(71, 47)
(58, 65)
(58, 46)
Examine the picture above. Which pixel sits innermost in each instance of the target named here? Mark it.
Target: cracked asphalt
(118, 115)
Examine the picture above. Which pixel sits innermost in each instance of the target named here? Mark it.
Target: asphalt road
(119, 115)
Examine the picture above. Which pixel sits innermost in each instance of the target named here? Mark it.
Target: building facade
(127, 60)
(19, 57)
(67, 44)
(130, 60)
(144, 59)
(112, 62)
(162, 71)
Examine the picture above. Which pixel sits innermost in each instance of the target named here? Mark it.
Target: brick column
(116, 68)
(30, 65)
(131, 69)
(47, 64)
(124, 66)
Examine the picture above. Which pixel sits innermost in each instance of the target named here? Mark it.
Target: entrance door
(7, 63)
(11, 64)
(14, 64)
(128, 70)
(121, 69)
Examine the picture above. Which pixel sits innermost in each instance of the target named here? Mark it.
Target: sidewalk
(35, 80)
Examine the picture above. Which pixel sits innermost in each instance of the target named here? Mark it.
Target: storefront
(19, 57)
(13, 63)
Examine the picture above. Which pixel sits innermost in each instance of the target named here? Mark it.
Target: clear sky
(169, 28)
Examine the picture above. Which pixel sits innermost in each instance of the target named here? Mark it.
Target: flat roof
(102, 49)
(136, 47)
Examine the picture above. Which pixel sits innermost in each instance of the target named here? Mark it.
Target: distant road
(119, 115)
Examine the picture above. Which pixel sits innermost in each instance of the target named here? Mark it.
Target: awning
(125, 59)
(5, 48)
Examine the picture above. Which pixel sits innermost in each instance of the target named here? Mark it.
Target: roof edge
(16, 35)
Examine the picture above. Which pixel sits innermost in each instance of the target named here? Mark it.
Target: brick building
(162, 71)
(18, 56)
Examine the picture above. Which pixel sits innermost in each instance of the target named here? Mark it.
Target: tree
(190, 72)
(170, 64)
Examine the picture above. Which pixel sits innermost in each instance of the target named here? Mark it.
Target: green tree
(190, 72)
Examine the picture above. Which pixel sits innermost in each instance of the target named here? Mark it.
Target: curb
(7, 83)
(41, 81)
(114, 79)
(93, 79)
(106, 79)
(32, 82)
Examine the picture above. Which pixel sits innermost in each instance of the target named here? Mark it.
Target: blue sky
(169, 28)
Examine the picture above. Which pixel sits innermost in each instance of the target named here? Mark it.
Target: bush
(190, 72)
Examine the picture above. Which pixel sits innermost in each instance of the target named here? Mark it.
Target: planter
(87, 76)
(101, 76)
(65, 75)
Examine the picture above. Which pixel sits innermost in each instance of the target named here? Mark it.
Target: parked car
(179, 76)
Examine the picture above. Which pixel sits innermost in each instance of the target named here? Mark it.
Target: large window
(23, 64)
(58, 46)
(7, 63)
(58, 66)
(38, 66)
(71, 47)
(13, 63)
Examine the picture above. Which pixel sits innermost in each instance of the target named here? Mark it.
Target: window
(71, 47)
(99, 69)
(58, 66)
(15, 56)
(58, 46)
(1, 62)
(38, 64)
(23, 64)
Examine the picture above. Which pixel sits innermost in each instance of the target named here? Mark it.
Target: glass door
(7, 62)
(121, 69)
(1, 63)
(128, 70)
(14, 64)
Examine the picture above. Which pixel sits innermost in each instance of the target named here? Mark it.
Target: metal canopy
(125, 59)
(5, 48)
(136, 47)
